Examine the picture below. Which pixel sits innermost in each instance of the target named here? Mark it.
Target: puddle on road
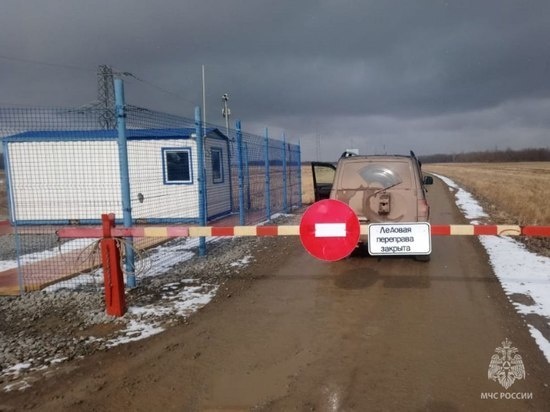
(356, 278)
(407, 282)
(365, 277)
(241, 391)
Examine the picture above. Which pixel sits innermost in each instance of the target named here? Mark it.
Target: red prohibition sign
(329, 230)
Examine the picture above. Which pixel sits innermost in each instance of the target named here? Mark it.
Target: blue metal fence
(68, 165)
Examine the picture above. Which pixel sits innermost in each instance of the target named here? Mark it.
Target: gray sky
(383, 76)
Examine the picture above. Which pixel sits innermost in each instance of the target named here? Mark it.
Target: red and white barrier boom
(329, 230)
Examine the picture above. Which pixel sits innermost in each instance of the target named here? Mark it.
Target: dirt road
(293, 333)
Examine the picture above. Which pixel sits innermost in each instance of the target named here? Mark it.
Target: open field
(515, 193)
(307, 182)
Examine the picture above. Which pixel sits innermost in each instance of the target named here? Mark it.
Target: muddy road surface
(293, 333)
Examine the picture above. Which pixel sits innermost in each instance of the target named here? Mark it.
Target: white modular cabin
(73, 177)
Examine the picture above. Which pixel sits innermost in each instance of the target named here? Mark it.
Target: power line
(159, 88)
(86, 69)
(42, 63)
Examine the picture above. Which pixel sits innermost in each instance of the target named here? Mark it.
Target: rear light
(423, 210)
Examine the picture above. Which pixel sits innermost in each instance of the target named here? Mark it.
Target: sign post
(329, 230)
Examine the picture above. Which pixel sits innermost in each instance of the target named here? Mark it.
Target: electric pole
(106, 96)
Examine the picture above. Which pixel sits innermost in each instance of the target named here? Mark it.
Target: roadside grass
(511, 193)
(514, 193)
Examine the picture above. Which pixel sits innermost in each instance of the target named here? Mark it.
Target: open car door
(323, 177)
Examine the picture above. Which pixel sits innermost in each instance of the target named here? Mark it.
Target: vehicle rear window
(376, 175)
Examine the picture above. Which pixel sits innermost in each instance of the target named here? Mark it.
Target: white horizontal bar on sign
(330, 230)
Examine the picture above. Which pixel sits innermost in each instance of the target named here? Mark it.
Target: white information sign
(400, 238)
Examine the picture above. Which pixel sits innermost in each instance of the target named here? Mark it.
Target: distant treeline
(508, 155)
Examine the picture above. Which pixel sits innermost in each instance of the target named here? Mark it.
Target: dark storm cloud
(404, 61)
(353, 70)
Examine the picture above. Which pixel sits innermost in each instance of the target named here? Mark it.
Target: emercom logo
(506, 365)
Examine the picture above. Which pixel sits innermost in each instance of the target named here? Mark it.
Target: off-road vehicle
(380, 189)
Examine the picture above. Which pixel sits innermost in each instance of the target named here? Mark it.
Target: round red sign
(329, 230)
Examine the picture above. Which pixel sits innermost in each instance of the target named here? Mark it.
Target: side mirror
(428, 180)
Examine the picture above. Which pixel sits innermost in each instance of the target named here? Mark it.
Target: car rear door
(323, 178)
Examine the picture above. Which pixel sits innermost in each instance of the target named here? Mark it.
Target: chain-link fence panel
(67, 166)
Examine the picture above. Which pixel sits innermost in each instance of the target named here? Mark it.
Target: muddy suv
(380, 189)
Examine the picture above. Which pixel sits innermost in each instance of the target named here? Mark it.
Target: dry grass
(307, 185)
(516, 193)
(323, 176)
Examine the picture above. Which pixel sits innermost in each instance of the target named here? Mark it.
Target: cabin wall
(59, 181)
(52, 181)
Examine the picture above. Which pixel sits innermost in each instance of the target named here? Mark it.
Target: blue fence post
(267, 180)
(285, 189)
(120, 109)
(290, 177)
(300, 174)
(241, 171)
(201, 179)
(13, 217)
(230, 173)
(246, 177)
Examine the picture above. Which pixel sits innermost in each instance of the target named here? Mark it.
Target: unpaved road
(293, 333)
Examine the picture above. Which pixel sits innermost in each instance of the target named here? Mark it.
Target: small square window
(177, 166)
(217, 165)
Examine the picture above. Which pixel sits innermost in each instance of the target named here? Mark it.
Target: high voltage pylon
(106, 96)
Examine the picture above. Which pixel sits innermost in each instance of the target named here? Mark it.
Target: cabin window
(177, 166)
(217, 165)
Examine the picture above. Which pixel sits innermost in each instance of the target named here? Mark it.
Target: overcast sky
(382, 76)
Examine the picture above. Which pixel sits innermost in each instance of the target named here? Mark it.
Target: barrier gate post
(115, 304)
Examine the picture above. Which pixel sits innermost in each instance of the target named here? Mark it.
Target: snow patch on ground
(242, 262)
(518, 270)
(46, 254)
(177, 300)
